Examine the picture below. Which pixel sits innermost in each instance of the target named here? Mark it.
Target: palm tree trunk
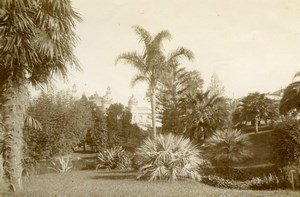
(14, 100)
(1, 168)
(256, 123)
(153, 111)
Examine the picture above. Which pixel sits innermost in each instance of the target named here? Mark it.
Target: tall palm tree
(152, 63)
(37, 40)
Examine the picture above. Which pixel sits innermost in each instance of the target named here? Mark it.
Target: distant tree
(256, 107)
(120, 130)
(215, 86)
(37, 40)
(97, 135)
(152, 63)
(114, 122)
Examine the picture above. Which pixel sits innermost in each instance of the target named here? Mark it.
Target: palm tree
(37, 40)
(203, 114)
(227, 146)
(152, 63)
(256, 106)
(291, 97)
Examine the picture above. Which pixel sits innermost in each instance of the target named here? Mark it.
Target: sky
(252, 45)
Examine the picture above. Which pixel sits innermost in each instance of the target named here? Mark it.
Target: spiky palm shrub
(227, 146)
(168, 157)
(61, 164)
(112, 158)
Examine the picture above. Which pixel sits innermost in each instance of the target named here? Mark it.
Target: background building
(140, 115)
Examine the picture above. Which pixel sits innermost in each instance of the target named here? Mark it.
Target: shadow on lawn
(115, 176)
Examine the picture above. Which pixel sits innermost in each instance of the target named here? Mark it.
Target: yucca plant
(112, 158)
(61, 164)
(227, 146)
(168, 157)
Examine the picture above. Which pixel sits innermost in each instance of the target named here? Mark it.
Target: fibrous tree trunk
(14, 98)
(153, 111)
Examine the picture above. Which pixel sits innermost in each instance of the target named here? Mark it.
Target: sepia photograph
(154, 98)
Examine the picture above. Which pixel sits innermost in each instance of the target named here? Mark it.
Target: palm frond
(297, 75)
(138, 78)
(133, 59)
(144, 35)
(179, 53)
(32, 122)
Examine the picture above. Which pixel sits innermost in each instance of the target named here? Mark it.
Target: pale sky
(252, 45)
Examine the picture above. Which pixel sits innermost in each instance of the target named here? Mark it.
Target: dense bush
(286, 143)
(168, 157)
(114, 158)
(227, 146)
(64, 123)
(286, 173)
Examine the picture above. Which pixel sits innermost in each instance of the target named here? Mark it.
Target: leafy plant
(227, 146)
(167, 158)
(61, 164)
(113, 158)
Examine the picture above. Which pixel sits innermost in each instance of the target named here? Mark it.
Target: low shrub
(268, 182)
(168, 157)
(217, 181)
(114, 158)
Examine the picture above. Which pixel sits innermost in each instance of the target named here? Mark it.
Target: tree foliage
(215, 87)
(174, 87)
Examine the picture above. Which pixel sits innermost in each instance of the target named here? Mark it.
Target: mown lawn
(103, 183)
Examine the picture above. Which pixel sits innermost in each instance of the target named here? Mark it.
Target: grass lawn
(103, 183)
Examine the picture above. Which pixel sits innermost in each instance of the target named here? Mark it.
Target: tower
(107, 99)
(132, 104)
